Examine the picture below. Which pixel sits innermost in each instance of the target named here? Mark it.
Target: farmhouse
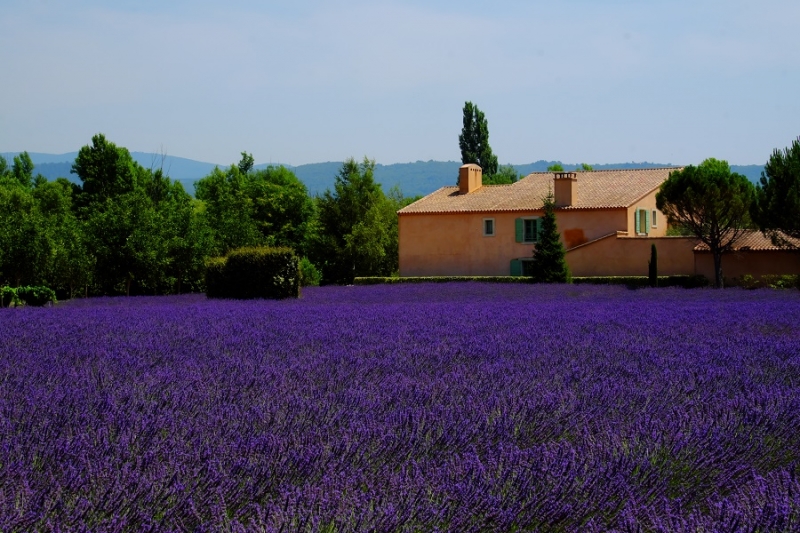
(607, 219)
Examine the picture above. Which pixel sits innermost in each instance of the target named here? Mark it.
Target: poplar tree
(474, 142)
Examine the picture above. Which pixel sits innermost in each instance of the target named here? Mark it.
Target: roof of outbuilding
(599, 189)
(754, 240)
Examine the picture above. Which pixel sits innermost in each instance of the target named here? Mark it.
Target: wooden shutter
(538, 229)
(518, 230)
(516, 266)
(646, 221)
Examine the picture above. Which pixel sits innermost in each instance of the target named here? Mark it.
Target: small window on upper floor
(653, 219)
(488, 227)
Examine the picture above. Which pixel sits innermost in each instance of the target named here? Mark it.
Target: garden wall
(620, 255)
(756, 263)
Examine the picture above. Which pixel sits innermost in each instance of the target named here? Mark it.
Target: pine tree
(549, 264)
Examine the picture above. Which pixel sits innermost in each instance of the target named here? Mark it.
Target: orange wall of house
(649, 203)
(755, 263)
(453, 244)
(629, 256)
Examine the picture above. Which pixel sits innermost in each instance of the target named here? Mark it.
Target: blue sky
(597, 81)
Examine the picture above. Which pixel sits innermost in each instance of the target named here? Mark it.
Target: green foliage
(309, 274)
(710, 201)
(36, 296)
(785, 281)
(8, 297)
(24, 244)
(105, 170)
(474, 141)
(131, 230)
(652, 266)
(391, 280)
(254, 272)
(228, 209)
(246, 163)
(216, 281)
(248, 208)
(586, 168)
(549, 264)
(687, 282)
(506, 175)
(281, 207)
(777, 205)
(556, 167)
(22, 169)
(357, 226)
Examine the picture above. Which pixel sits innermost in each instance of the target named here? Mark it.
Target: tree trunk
(718, 270)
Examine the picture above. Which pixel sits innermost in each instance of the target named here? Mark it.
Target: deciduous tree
(357, 226)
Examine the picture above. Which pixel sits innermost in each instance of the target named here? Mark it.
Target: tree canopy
(712, 203)
(474, 142)
(777, 206)
(357, 234)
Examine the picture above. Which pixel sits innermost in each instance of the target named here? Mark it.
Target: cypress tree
(549, 264)
(652, 266)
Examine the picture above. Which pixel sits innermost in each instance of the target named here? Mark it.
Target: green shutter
(538, 229)
(518, 230)
(647, 221)
(516, 266)
(636, 221)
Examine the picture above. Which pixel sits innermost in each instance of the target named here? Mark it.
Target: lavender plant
(455, 407)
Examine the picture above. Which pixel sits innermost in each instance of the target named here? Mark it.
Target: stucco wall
(755, 263)
(628, 256)
(454, 244)
(648, 202)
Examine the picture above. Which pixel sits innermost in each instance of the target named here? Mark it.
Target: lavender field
(453, 407)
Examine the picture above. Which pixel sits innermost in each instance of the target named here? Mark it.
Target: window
(488, 227)
(522, 267)
(527, 229)
(653, 219)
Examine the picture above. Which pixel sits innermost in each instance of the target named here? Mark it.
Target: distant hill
(419, 178)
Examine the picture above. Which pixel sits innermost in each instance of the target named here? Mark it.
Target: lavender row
(459, 407)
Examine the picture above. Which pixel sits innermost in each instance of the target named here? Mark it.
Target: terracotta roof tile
(595, 190)
(754, 240)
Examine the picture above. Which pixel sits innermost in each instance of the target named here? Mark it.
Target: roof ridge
(577, 171)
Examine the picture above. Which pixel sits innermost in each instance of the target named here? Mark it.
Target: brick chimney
(565, 188)
(470, 178)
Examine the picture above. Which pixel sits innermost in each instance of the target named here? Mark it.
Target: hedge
(687, 282)
(376, 280)
(36, 296)
(254, 272)
(630, 281)
(216, 286)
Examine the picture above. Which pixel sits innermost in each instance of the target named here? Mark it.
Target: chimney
(470, 178)
(565, 188)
